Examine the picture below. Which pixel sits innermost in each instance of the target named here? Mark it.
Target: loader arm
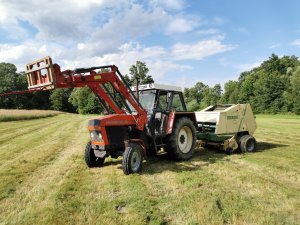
(42, 75)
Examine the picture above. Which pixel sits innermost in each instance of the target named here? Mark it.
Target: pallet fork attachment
(40, 74)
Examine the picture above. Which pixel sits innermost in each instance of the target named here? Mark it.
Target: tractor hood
(113, 120)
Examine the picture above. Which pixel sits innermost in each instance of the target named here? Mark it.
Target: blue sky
(182, 42)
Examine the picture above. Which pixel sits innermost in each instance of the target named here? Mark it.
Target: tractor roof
(155, 86)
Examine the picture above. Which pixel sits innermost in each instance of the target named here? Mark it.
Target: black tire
(180, 145)
(90, 159)
(132, 158)
(247, 143)
(229, 151)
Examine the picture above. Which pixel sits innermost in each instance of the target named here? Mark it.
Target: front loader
(135, 125)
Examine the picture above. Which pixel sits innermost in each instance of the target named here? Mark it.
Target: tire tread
(126, 158)
(90, 159)
(243, 143)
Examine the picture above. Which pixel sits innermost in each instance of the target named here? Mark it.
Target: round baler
(227, 127)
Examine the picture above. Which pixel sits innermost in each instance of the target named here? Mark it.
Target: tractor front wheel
(180, 145)
(90, 159)
(247, 143)
(132, 158)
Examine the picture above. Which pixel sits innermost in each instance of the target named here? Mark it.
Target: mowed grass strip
(212, 188)
(24, 154)
(31, 197)
(24, 128)
(14, 114)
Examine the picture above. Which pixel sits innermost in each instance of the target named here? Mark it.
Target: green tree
(85, 101)
(197, 92)
(268, 92)
(295, 90)
(214, 95)
(231, 91)
(201, 96)
(195, 96)
(268, 87)
(140, 71)
(127, 79)
(8, 76)
(59, 99)
(11, 80)
(246, 88)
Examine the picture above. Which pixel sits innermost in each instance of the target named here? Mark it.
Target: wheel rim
(136, 160)
(185, 139)
(250, 145)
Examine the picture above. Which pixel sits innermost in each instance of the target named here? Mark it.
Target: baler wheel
(247, 143)
(180, 145)
(90, 159)
(132, 158)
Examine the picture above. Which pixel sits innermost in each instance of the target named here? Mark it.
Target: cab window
(177, 103)
(162, 103)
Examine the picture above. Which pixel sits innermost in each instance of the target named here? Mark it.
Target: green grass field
(44, 179)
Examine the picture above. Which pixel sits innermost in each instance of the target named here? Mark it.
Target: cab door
(163, 108)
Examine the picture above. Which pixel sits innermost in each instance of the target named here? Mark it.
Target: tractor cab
(160, 102)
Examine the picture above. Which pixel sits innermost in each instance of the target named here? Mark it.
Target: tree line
(273, 87)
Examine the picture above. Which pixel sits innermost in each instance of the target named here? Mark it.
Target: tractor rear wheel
(180, 145)
(132, 158)
(90, 159)
(247, 143)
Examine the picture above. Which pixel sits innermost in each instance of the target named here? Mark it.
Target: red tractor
(137, 123)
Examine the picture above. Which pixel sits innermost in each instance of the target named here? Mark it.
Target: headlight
(96, 135)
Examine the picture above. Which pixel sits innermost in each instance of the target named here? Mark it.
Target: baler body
(224, 125)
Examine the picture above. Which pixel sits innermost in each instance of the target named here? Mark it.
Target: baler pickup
(228, 127)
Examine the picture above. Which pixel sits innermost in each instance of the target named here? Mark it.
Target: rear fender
(176, 115)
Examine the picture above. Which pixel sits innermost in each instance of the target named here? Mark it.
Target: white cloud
(133, 23)
(168, 4)
(248, 66)
(4, 14)
(110, 20)
(210, 31)
(94, 27)
(159, 68)
(100, 32)
(56, 20)
(161, 61)
(181, 25)
(81, 46)
(296, 43)
(199, 50)
(24, 53)
(156, 58)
